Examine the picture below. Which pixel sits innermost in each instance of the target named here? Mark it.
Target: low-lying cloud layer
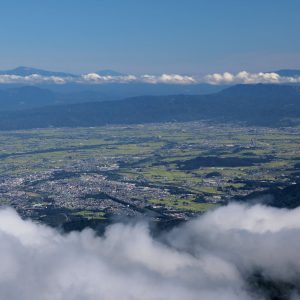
(208, 258)
(33, 79)
(93, 78)
(249, 78)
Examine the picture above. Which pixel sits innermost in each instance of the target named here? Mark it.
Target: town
(170, 171)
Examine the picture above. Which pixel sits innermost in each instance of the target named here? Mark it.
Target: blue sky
(150, 36)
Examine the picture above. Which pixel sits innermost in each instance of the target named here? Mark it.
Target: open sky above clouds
(151, 37)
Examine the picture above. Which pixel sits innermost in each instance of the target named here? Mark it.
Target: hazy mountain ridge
(288, 72)
(269, 105)
(27, 71)
(27, 97)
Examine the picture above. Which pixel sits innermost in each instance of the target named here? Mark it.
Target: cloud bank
(208, 258)
(169, 79)
(94, 78)
(33, 79)
(249, 78)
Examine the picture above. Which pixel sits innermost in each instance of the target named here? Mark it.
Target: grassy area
(188, 204)
(91, 215)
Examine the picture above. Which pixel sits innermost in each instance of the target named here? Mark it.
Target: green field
(154, 155)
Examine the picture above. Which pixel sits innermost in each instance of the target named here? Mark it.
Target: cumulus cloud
(94, 78)
(208, 258)
(248, 78)
(151, 79)
(33, 79)
(168, 78)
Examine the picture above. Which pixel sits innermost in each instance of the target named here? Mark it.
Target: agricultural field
(162, 171)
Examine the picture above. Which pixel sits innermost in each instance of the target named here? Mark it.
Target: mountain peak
(27, 71)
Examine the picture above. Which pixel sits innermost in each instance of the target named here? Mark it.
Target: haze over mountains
(288, 73)
(270, 105)
(27, 71)
(25, 97)
(105, 85)
(41, 98)
(108, 84)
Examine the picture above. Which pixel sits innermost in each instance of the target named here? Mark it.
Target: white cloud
(208, 258)
(98, 79)
(168, 78)
(93, 78)
(151, 79)
(33, 79)
(248, 78)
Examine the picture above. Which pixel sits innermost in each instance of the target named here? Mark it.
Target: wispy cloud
(209, 258)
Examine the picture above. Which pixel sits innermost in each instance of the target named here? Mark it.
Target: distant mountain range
(268, 105)
(288, 73)
(27, 97)
(113, 85)
(95, 92)
(26, 71)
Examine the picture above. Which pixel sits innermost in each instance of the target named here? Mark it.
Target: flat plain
(162, 171)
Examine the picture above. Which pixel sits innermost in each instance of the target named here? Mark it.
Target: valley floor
(167, 172)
